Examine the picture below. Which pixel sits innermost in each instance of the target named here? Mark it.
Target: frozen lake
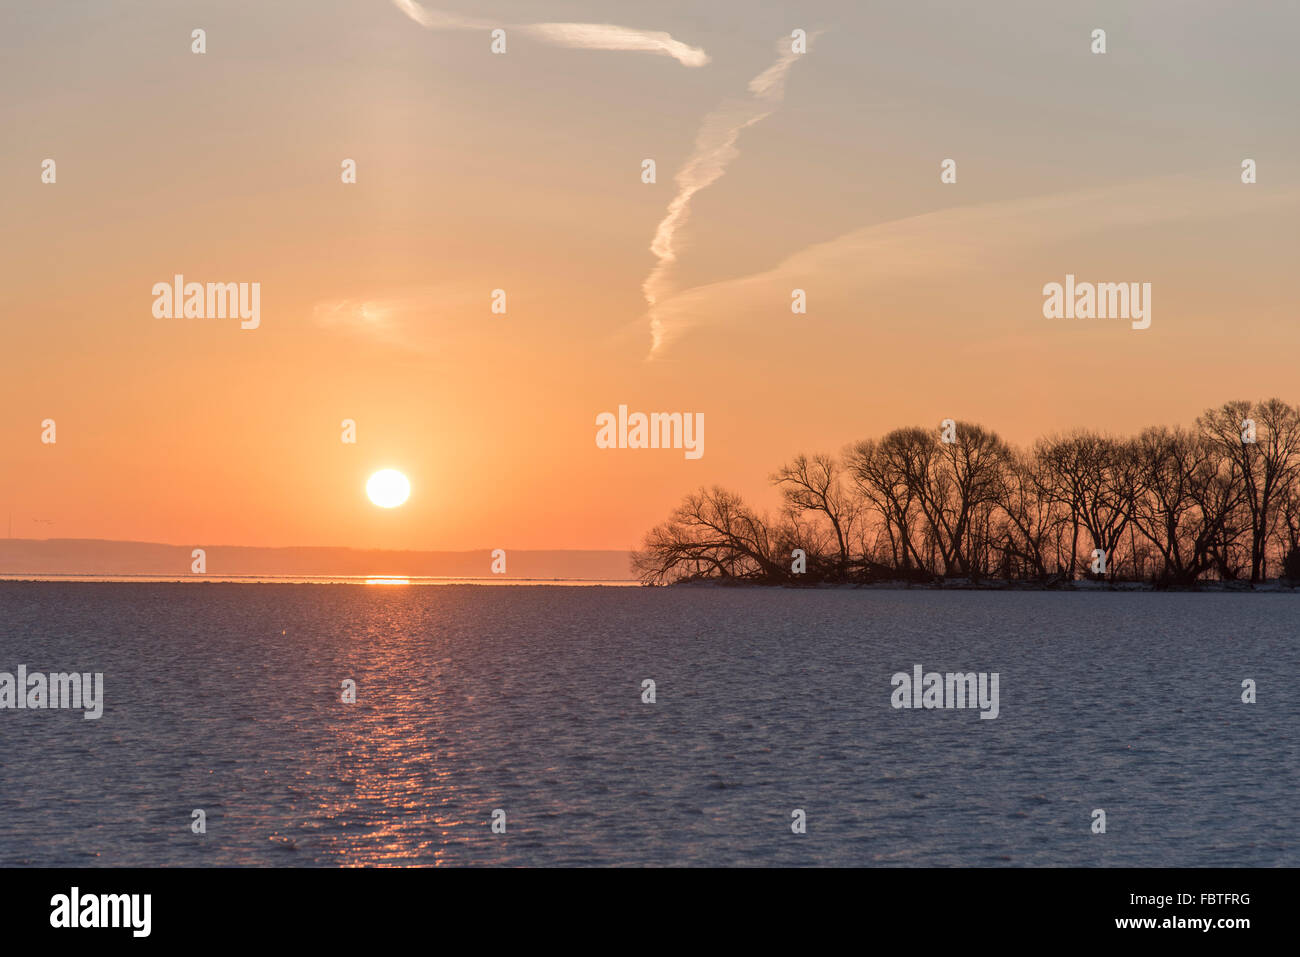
(227, 698)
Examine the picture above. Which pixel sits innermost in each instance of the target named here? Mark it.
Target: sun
(388, 488)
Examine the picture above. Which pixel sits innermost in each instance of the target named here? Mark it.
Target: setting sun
(388, 488)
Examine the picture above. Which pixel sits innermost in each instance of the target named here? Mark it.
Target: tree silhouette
(1171, 506)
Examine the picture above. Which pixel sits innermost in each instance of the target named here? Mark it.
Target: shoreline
(1271, 586)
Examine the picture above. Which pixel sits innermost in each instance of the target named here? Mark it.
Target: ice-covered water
(226, 697)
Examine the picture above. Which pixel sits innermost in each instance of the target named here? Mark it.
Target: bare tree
(816, 485)
(883, 473)
(1224, 521)
(1063, 461)
(712, 534)
(1164, 509)
(967, 480)
(1263, 439)
(1220, 501)
(1033, 518)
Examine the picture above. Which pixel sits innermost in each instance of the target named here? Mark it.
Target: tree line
(1169, 506)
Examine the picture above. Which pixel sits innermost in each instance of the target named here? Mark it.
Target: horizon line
(350, 548)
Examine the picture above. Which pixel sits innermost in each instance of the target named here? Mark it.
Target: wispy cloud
(420, 319)
(881, 262)
(437, 19)
(578, 36)
(715, 148)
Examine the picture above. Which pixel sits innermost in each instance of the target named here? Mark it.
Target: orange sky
(522, 172)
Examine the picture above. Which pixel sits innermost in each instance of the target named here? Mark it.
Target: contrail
(578, 36)
(977, 243)
(715, 148)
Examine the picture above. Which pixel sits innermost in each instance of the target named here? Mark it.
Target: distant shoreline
(1272, 587)
(60, 559)
(397, 581)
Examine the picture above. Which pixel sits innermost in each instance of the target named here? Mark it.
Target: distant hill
(88, 556)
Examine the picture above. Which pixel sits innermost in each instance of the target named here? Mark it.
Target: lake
(226, 698)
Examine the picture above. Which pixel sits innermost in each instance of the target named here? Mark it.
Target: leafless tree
(1267, 465)
(883, 472)
(817, 485)
(1174, 505)
(1034, 523)
(712, 534)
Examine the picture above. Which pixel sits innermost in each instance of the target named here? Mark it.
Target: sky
(522, 171)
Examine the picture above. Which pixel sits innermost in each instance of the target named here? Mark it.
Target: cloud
(604, 36)
(715, 148)
(419, 319)
(437, 20)
(576, 36)
(932, 251)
